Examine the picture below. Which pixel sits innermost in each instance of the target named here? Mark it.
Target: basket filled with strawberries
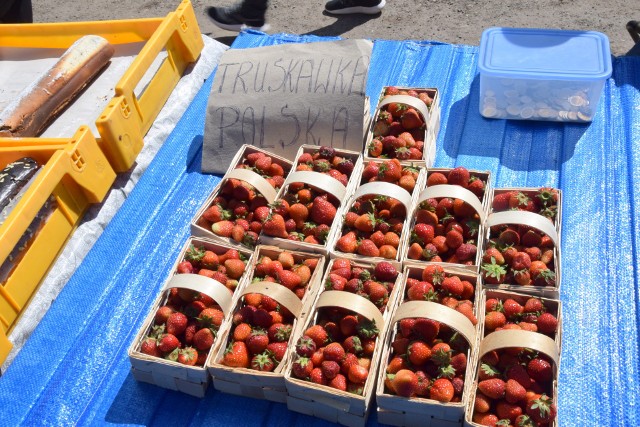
(331, 374)
(504, 310)
(515, 381)
(447, 222)
(251, 358)
(427, 368)
(189, 315)
(522, 245)
(303, 216)
(373, 225)
(239, 204)
(405, 126)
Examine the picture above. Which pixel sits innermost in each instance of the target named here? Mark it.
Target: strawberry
(262, 362)
(236, 355)
(493, 388)
(411, 119)
(241, 332)
(330, 369)
(512, 309)
(167, 343)
(353, 344)
(210, 317)
(318, 334)
(404, 383)
(459, 176)
(385, 271)
(441, 390)
(547, 323)
(542, 409)
(428, 329)
(508, 411)
(279, 332)
(162, 314)
(187, 356)
(418, 353)
(540, 370)
(216, 213)
(275, 226)
(222, 228)
(317, 377)
(494, 320)
(368, 248)
(514, 391)
(347, 243)
(339, 382)
(203, 339)
(150, 346)
(277, 350)
(302, 368)
(334, 352)
(322, 211)
(235, 268)
(358, 374)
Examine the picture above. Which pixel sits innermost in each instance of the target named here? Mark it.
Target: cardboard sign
(280, 97)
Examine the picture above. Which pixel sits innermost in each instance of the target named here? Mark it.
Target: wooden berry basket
(385, 189)
(321, 182)
(250, 382)
(536, 221)
(514, 338)
(455, 192)
(326, 402)
(422, 411)
(200, 227)
(431, 117)
(193, 380)
(553, 306)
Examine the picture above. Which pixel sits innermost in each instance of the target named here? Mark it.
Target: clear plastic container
(541, 74)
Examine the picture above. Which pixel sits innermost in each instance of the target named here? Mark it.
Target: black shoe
(232, 19)
(343, 7)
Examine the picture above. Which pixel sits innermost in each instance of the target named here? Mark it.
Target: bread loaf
(33, 109)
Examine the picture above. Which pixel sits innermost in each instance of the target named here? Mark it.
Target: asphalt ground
(450, 21)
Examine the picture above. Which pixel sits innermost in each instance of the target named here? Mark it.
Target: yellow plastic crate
(127, 118)
(76, 173)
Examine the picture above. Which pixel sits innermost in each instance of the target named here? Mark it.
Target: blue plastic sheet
(74, 369)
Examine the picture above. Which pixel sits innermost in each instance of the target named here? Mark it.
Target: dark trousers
(16, 11)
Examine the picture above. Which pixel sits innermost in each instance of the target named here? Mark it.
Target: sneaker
(232, 19)
(343, 7)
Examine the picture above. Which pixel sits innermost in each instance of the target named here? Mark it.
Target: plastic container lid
(545, 54)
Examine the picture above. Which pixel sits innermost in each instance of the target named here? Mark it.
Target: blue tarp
(74, 369)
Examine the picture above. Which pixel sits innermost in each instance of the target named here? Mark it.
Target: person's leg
(247, 14)
(343, 7)
(16, 12)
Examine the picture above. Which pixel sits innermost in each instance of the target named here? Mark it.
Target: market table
(74, 369)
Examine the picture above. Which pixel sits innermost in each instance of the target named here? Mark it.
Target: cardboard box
(384, 189)
(326, 402)
(516, 339)
(421, 410)
(479, 204)
(514, 219)
(323, 183)
(430, 116)
(192, 380)
(202, 228)
(250, 382)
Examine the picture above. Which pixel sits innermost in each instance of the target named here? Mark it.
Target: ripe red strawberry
(258, 340)
(317, 377)
(274, 226)
(547, 323)
(330, 369)
(441, 390)
(494, 320)
(493, 388)
(347, 243)
(514, 392)
(279, 332)
(277, 350)
(262, 362)
(203, 339)
(150, 346)
(305, 346)
(358, 374)
(519, 374)
(236, 355)
(168, 342)
(541, 409)
(235, 268)
(411, 119)
(385, 271)
(405, 383)
(318, 334)
(211, 317)
(418, 353)
(368, 248)
(459, 176)
(322, 211)
(302, 367)
(488, 372)
(185, 267)
(540, 370)
(508, 411)
(512, 309)
(188, 356)
(428, 329)
(339, 382)
(162, 315)
(334, 352)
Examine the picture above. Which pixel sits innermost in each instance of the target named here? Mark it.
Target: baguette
(34, 108)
